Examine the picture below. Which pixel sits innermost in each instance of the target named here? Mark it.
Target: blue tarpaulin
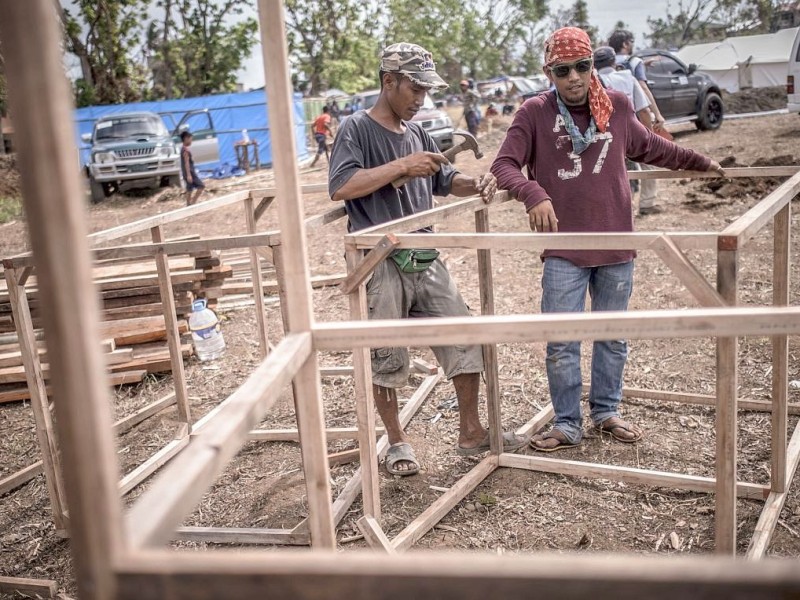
(231, 114)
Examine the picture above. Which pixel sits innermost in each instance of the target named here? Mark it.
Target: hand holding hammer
(468, 143)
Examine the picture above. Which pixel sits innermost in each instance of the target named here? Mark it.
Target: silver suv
(435, 121)
(136, 148)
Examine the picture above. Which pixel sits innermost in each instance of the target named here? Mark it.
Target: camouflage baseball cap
(414, 62)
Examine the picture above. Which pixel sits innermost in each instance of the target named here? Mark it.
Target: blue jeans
(564, 288)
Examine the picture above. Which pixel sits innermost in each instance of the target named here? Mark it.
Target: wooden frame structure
(266, 245)
(117, 557)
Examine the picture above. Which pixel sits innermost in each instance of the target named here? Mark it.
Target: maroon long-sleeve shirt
(590, 191)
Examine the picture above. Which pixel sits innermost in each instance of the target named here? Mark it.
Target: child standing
(194, 185)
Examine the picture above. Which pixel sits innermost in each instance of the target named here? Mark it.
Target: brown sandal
(611, 426)
(553, 434)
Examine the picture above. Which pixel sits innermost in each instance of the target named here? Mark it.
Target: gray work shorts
(392, 294)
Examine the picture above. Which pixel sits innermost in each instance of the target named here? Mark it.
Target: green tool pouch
(414, 260)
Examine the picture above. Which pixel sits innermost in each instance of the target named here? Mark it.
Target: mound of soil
(10, 185)
(747, 187)
(755, 100)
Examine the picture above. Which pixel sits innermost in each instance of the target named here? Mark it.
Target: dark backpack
(630, 64)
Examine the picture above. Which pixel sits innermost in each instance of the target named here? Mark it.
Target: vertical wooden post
(171, 326)
(310, 415)
(280, 277)
(365, 413)
(258, 283)
(55, 206)
(780, 349)
(45, 433)
(491, 370)
(727, 382)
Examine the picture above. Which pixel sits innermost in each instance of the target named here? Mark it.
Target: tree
(576, 15)
(3, 101)
(334, 43)
(198, 46)
(104, 36)
(476, 38)
(710, 20)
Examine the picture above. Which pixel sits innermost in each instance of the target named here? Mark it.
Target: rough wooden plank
(374, 535)
(725, 422)
(360, 270)
(152, 464)
(451, 576)
(771, 512)
(184, 481)
(307, 390)
(781, 273)
(444, 504)
(686, 272)
(258, 288)
(242, 535)
(21, 477)
(57, 221)
(29, 588)
(560, 327)
(631, 475)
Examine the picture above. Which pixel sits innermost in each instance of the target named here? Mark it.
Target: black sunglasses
(582, 66)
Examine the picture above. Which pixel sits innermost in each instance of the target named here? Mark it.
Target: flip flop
(553, 434)
(608, 427)
(511, 443)
(401, 451)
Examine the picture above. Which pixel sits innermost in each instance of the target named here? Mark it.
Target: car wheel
(97, 190)
(174, 181)
(711, 113)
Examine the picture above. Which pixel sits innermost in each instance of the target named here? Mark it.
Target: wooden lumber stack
(133, 348)
(130, 289)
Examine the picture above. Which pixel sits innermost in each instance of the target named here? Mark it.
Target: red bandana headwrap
(569, 44)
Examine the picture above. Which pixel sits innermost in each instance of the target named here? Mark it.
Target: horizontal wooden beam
(126, 423)
(183, 482)
(309, 188)
(449, 576)
(21, 587)
(733, 173)
(242, 535)
(540, 241)
(367, 265)
(444, 504)
(152, 464)
(435, 215)
(745, 227)
(701, 399)
(576, 468)
(701, 322)
(180, 214)
(774, 504)
(292, 435)
(22, 476)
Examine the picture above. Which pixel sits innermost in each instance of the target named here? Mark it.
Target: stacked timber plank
(132, 348)
(130, 289)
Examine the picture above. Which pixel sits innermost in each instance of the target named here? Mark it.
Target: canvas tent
(231, 113)
(742, 62)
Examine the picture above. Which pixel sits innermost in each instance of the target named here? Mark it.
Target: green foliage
(104, 36)
(334, 44)
(198, 46)
(476, 38)
(695, 21)
(10, 209)
(576, 15)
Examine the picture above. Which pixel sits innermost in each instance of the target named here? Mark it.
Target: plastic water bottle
(245, 137)
(206, 333)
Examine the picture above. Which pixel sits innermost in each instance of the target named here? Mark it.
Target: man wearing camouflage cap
(373, 149)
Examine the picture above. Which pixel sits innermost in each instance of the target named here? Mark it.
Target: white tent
(742, 62)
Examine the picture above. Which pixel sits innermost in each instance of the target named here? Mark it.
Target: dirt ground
(512, 511)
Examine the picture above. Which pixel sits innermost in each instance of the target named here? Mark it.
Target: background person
(194, 185)
(322, 129)
(372, 149)
(471, 102)
(622, 43)
(573, 141)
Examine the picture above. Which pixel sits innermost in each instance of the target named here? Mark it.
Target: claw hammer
(467, 143)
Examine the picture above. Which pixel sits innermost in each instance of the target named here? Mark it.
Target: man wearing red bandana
(574, 140)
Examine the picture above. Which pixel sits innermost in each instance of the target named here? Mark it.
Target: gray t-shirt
(362, 143)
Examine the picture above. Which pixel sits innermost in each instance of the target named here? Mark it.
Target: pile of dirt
(755, 100)
(10, 185)
(747, 187)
